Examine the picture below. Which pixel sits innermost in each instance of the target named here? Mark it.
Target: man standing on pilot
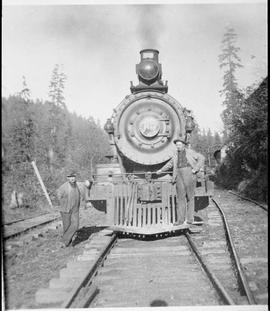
(186, 163)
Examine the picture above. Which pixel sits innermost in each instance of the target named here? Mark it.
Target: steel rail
(25, 230)
(242, 278)
(247, 199)
(21, 219)
(87, 280)
(217, 284)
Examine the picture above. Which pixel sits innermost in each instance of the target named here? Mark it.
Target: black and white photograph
(134, 155)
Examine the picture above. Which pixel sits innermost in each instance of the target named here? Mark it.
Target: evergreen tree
(25, 93)
(26, 136)
(210, 138)
(31, 129)
(57, 86)
(59, 123)
(204, 144)
(19, 144)
(210, 147)
(24, 129)
(250, 128)
(217, 141)
(245, 167)
(229, 61)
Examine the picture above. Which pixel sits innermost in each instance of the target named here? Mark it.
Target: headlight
(148, 70)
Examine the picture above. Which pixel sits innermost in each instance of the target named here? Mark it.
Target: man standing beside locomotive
(186, 163)
(70, 195)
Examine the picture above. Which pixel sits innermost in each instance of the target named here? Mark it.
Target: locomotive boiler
(141, 133)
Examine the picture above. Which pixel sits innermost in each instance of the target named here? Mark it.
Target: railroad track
(248, 228)
(218, 250)
(144, 273)
(176, 270)
(156, 273)
(264, 207)
(21, 226)
(8, 223)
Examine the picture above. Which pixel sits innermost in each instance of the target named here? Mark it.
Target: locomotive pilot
(70, 195)
(186, 163)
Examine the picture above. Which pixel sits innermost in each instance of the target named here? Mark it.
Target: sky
(98, 47)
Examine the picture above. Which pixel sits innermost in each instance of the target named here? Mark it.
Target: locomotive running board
(148, 230)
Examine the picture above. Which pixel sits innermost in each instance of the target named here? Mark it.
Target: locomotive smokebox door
(145, 126)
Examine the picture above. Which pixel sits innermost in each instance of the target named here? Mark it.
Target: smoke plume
(149, 25)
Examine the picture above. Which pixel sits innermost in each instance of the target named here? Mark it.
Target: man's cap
(71, 174)
(182, 140)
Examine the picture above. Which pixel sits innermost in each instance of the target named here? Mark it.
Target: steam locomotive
(141, 133)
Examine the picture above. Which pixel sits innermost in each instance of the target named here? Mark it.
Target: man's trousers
(70, 224)
(185, 190)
